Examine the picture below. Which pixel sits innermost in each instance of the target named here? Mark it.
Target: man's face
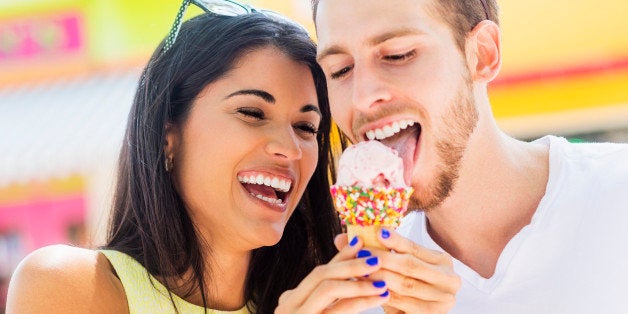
(394, 63)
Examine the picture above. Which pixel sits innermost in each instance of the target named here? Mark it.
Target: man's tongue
(405, 144)
(258, 189)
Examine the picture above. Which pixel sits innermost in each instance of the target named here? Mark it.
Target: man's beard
(458, 124)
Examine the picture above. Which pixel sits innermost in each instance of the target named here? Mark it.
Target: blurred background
(69, 68)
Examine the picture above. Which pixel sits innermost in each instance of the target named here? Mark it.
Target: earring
(169, 163)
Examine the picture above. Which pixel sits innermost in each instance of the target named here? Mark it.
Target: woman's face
(246, 151)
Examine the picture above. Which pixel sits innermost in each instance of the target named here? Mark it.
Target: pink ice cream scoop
(370, 191)
(370, 164)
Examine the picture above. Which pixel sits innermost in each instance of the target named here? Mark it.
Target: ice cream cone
(368, 234)
(370, 191)
(366, 210)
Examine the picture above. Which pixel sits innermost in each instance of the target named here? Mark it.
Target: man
(533, 227)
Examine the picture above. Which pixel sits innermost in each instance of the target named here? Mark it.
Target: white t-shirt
(573, 256)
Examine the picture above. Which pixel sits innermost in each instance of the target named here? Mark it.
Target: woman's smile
(270, 189)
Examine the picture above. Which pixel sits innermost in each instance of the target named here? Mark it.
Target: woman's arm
(65, 279)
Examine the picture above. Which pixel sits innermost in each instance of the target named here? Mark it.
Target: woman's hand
(331, 288)
(419, 280)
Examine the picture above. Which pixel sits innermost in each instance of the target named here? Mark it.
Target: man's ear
(483, 51)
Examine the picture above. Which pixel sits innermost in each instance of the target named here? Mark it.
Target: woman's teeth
(276, 183)
(388, 130)
(268, 199)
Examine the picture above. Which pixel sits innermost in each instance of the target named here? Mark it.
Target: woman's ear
(171, 142)
(483, 51)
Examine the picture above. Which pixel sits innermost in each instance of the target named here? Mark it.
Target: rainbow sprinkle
(371, 206)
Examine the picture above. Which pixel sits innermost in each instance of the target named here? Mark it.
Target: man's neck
(501, 183)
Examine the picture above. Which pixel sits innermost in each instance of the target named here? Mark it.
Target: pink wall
(59, 33)
(43, 222)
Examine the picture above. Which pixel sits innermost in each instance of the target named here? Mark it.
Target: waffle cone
(368, 234)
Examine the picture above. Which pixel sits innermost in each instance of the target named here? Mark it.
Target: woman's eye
(341, 73)
(400, 57)
(307, 128)
(255, 113)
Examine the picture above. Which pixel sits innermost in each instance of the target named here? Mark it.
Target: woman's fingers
(356, 305)
(412, 305)
(411, 270)
(348, 250)
(394, 241)
(342, 270)
(337, 294)
(340, 241)
(404, 286)
(330, 282)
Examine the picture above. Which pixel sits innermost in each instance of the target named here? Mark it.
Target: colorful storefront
(68, 70)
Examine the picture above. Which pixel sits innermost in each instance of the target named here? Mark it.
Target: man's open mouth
(402, 136)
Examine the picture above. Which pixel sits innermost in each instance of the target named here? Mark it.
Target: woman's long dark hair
(149, 220)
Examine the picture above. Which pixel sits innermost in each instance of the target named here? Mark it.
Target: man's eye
(341, 73)
(255, 113)
(400, 57)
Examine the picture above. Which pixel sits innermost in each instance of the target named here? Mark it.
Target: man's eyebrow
(374, 41)
(401, 32)
(255, 92)
(332, 50)
(310, 107)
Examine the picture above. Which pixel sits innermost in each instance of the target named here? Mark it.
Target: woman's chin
(269, 237)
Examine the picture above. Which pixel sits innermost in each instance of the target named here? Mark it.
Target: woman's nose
(284, 144)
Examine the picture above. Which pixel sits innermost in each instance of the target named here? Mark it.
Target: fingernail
(379, 284)
(385, 294)
(372, 261)
(363, 253)
(354, 241)
(385, 234)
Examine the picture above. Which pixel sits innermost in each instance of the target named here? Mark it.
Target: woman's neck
(225, 280)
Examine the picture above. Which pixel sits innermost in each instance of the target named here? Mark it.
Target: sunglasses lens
(222, 7)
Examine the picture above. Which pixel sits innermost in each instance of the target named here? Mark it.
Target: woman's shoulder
(66, 279)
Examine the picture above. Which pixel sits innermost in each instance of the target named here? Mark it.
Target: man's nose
(369, 88)
(284, 144)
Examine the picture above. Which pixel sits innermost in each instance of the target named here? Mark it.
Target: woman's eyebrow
(310, 107)
(255, 92)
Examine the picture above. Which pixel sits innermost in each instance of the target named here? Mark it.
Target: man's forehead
(337, 15)
(340, 24)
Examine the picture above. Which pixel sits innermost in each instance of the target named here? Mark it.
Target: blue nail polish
(379, 284)
(385, 234)
(385, 294)
(372, 261)
(354, 241)
(363, 253)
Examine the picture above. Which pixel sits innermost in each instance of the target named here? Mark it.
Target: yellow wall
(548, 43)
(562, 33)
(575, 57)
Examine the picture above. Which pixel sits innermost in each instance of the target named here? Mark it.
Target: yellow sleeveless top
(143, 296)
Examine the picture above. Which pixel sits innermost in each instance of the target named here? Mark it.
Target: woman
(222, 192)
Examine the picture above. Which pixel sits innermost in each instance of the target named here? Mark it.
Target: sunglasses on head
(216, 7)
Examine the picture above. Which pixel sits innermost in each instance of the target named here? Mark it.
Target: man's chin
(430, 196)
